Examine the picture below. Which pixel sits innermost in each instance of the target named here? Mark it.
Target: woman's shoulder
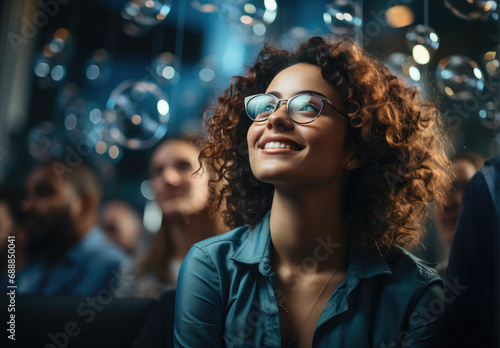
(234, 237)
(222, 245)
(407, 268)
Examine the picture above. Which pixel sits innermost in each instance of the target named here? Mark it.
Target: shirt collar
(256, 247)
(92, 240)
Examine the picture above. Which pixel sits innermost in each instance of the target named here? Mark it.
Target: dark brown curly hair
(398, 136)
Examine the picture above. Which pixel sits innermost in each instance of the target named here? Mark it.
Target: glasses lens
(261, 106)
(304, 107)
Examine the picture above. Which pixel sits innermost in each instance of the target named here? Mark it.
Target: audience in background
(68, 253)
(11, 218)
(465, 165)
(182, 196)
(122, 225)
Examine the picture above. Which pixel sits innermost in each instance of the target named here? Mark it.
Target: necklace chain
(292, 342)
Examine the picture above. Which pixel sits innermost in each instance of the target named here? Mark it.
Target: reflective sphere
(98, 67)
(489, 116)
(343, 17)
(137, 113)
(146, 13)
(405, 67)
(459, 77)
(45, 142)
(163, 69)
(423, 41)
(248, 20)
(471, 9)
(292, 38)
(206, 6)
(491, 60)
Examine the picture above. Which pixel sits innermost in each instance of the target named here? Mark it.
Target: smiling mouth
(281, 145)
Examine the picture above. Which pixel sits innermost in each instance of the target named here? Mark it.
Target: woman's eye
(266, 108)
(308, 107)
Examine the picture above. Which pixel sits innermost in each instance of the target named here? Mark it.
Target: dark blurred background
(104, 81)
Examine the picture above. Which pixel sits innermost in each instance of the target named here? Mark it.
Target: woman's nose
(280, 119)
(172, 177)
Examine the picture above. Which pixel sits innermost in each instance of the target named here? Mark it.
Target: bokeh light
(459, 77)
(50, 65)
(206, 6)
(405, 67)
(343, 17)
(137, 113)
(206, 71)
(399, 16)
(248, 19)
(164, 68)
(423, 41)
(489, 116)
(45, 142)
(146, 13)
(98, 67)
(491, 60)
(471, 9)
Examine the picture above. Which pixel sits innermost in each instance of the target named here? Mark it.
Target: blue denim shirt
(226, 298)
(85, 269)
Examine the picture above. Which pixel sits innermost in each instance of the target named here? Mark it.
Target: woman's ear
(355, 159)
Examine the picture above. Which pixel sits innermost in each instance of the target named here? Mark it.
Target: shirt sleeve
(426, 323)
(198, 319)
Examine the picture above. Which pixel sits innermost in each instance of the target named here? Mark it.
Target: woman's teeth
(278, 145)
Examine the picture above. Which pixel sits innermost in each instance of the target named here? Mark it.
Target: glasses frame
(279, 101)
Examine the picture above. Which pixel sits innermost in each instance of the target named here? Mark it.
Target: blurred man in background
(68, 253)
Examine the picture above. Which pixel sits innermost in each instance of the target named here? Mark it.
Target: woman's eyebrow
(306, 91)
(312, 92)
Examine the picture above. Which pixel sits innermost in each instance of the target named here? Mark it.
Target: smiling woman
(329, 162)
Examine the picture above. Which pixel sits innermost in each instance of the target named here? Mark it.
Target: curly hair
(398, 136)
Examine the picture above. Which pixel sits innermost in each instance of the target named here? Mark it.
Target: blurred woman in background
(182, 196)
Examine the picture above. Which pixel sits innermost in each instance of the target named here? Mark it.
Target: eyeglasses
(302, 108)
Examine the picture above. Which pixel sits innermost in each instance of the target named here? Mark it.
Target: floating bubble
(164, 68)
(146, 13)
(45, 142)
(405, 67)
(423, 41)
(206, 70)
(147, 191)
(50, 64)
(98, 67)
(209, 6)
(459, 77)
(489, 116)
(295, 36)
(343, 17)
(248, 20)
(137, 113)
(471, 9)
(491, 60)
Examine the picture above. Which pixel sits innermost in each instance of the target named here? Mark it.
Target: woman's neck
(187, 230)
(309, 227)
